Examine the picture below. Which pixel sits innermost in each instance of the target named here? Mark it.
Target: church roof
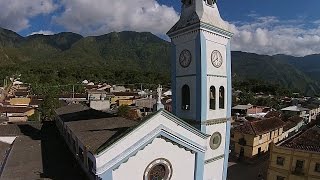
(200, 14)
(98, 130)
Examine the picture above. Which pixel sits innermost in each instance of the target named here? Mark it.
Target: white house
(192, 143)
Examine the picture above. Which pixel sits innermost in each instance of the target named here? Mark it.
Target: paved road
(245, 171)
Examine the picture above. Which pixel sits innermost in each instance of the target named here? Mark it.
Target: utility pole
(73, 92)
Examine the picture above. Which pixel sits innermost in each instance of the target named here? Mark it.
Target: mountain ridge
(130, 52)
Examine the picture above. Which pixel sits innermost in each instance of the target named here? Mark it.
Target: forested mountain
(131, 57)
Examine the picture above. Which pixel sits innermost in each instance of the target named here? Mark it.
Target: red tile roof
(307, 141)
(273, 114)
(259, 127)
(14, 109)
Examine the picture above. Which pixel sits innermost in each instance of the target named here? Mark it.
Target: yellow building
(122, 96)
(125, 102)
(297, 158)
(20, 101)
(254, 137)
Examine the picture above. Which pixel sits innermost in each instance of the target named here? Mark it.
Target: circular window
(215, 140)
(159, 169)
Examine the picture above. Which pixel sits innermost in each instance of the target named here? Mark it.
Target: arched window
(185, 98)
(221, 97)
(213, 98)
(211, 2)
(187, 2)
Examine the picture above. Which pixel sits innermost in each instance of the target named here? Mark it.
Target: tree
(123, 111)
(49, 104)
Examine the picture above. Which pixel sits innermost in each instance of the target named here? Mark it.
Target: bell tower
(201, 81)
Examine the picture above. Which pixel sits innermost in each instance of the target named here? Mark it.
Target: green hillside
(131, 57)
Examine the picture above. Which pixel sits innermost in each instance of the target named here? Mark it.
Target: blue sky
(264, 27)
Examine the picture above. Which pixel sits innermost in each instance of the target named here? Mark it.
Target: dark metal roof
(93, 128)
(34, 154)
(98, 130)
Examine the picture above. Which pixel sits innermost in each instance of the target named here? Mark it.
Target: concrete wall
(100, 105)
(182, 161)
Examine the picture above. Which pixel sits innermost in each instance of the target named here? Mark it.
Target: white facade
(181, 160)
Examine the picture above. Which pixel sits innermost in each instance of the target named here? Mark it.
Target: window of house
(260, 137)
(185, 99)
(317, 168)
(280, 161)
(270, 135)
(212, 97)
(299, 166)
(280, 178)
(232, 135)
(221, 97)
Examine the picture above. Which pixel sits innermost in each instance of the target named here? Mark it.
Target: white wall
(100, 105)
(182, 161)
(104, 160)
(213, 171)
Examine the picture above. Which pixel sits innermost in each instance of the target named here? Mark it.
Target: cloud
(103, 16)
(16, 14)
(270, 35)
(44, 32)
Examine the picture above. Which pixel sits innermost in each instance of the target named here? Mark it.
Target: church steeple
(200, 12)
(201, 80)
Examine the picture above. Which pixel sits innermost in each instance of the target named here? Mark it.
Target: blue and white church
(192, 142)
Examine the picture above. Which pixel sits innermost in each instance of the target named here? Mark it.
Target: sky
(270, 27)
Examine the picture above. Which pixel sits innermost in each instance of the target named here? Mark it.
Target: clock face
(216, 59)
(185, 58)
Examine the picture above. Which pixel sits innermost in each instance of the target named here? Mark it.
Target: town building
(296, 158)
(123, 96)
(250, 110)
(297, 111)
(292, 126)
(99, 99)
(192, 142)
(254, 137)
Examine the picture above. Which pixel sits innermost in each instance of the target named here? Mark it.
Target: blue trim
(173, 78)
(106, 175)
(199, 166)
(204, 90)
(229, 105)
(201, 97)
(198, 78)
(201, 77)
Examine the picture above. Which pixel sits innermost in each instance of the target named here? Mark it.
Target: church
(192, 142)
